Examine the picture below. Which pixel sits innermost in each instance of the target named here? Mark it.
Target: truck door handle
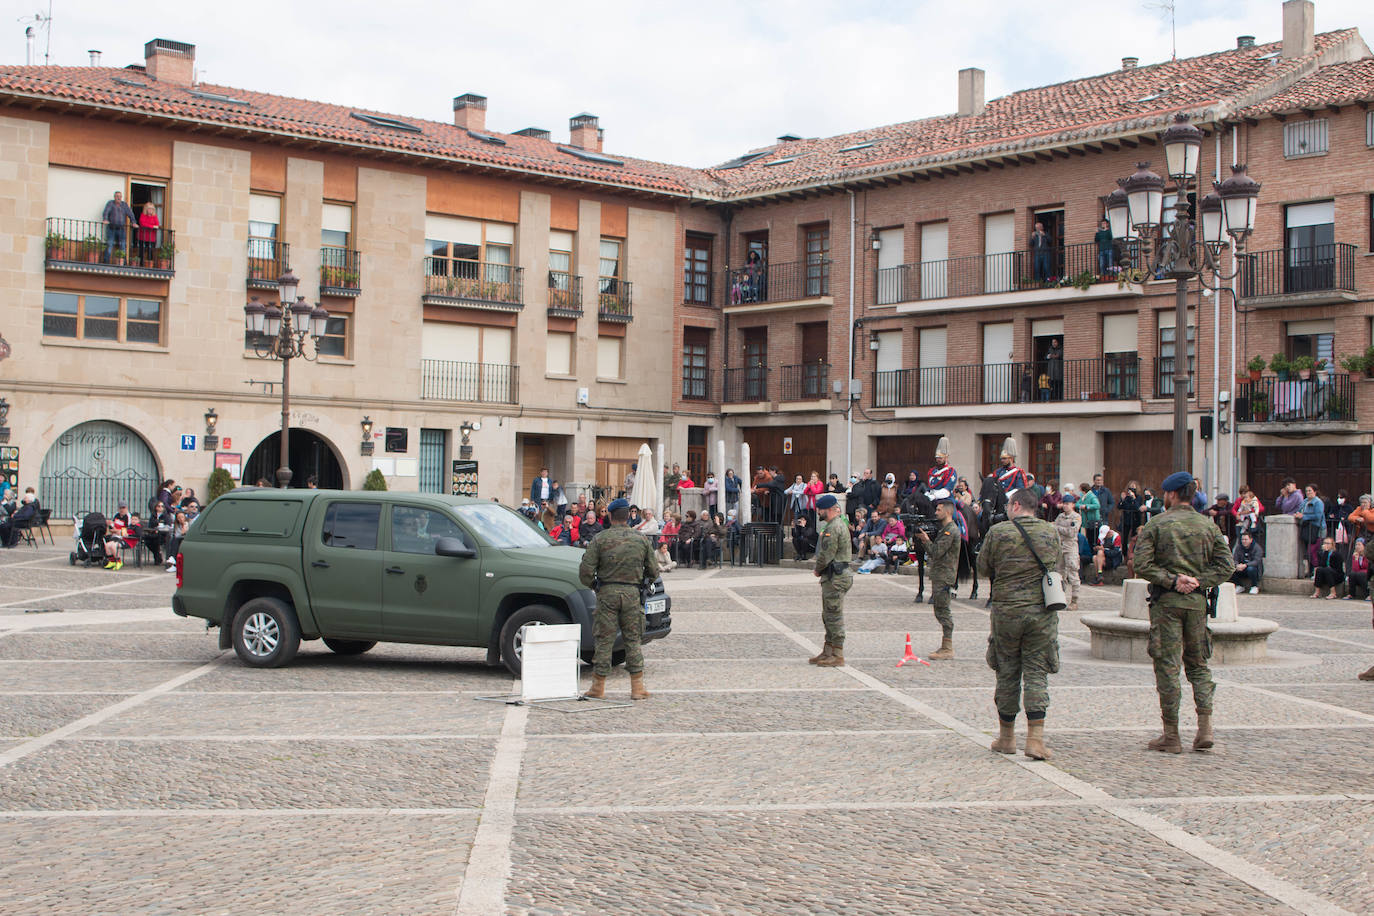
(395, 570)
(320, 564)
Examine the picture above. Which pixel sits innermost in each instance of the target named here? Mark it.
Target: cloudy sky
(693, 83)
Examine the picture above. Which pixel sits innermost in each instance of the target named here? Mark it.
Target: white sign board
(548, 662)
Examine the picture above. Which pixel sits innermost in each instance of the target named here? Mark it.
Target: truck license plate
(656, 606)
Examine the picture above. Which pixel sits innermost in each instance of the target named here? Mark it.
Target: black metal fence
(488, 383)
(480, 281)
(614, 299)
(565, 294)
(268, 259)
(1113, 378)
(1313, 269)
(340, 270)
(1328, 397)
(74, 492)
(778, 282)
(806, 382)
(745, 386)
(92, 242)
(696, 383)
(1011, 271)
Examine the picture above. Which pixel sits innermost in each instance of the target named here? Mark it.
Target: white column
(658, 483)
(746, 500)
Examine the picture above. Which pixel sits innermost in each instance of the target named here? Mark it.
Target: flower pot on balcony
(1255, 374)
(164, 263)
(1304, 374)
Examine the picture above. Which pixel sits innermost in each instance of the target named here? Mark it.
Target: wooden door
(614, 455)
(900, 455)
(991, 451)
(1044, 458)
(696, 454)
(814, 341)
(533, 457)
(1330, 467)
(1145, 457)
(766, 445)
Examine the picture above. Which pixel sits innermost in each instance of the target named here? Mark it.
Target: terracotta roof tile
(1337, 84)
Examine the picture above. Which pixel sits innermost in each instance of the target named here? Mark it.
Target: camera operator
(942, 552)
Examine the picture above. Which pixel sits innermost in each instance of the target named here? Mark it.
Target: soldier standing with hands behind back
(833, 554)
(942, 555)
(618, 559)
(1181, 554)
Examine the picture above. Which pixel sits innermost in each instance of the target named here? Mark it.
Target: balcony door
(891, 276)
(1309, 247)
(935, 260)
(887, 377)
(814, 338)
(755, 363)
(999, 381)
(932, 363)
(999, 247)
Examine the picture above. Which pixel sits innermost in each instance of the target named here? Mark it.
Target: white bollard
(1134, 605)
(658, 483)
(746, 486)
(1227, 609)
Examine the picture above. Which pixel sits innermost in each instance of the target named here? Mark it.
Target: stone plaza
(143, 770)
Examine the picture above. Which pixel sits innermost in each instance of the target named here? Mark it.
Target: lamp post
(1135, 212)
(280, 334)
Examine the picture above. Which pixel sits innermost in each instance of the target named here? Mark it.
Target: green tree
(220, 483)
(374, 481)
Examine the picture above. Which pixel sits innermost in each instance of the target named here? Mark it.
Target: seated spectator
(671, 528)
(872, 535)
(8, 503)
(734, 535)
(635, 515)
(11, 529)
(707, 546)
(1357, 577)
(1085, 550)
(188, 496)
(648, 525)
(588, 529)
(1220, 512)
(1249, 557)
(1328, 570)
(1109, 554)
(856, 528)
(687, 534)
(665, 559)
(894, 540)
(114, 542)
(803, 538)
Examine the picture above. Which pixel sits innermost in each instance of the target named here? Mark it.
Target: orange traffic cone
(909, 657)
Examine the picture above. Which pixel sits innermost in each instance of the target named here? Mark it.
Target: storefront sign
(9, 466)
(231, 462)
(188, 443)
(787, 445)
(465, 478)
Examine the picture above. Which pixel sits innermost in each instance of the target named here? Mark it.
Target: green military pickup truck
(273, 567)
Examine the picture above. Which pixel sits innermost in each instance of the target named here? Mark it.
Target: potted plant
(1255, 367)
(350, 279)
(55, 242)
(165, 252)
(1353, 364)
(1259, 406)
(1323, 368)
(1335, 407)
(1304, 365)
(1369, 361)
(90, 249)
(1281, 366)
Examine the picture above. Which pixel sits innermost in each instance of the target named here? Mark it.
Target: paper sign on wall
(787, 445)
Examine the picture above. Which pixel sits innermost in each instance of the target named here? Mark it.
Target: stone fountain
(1125, 636)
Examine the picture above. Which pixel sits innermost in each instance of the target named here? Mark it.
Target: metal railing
(1287, 271)
(778, 282)
(745, 386)
(696, 385)
(1011, 271)
(79, 241)
(268, 259)
(1325, 397)
(805, 382)
(486, 383)
(340, 270)
(614, 299)
(565, 294)
(478, 281)
(1112, 378)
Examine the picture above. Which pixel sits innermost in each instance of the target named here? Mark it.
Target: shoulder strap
(1025, 537)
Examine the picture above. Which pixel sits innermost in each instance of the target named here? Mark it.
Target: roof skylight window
(742, 160)
(123, 82)
(216, 97)
(858, 146)
(486, 138)
(389, 123)
(589, 155)
(784, 161)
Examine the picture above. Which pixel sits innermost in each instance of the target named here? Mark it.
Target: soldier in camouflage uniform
(1024, 646)
(618, 559)
(833, 553)
(942, 559)
(1181, 554)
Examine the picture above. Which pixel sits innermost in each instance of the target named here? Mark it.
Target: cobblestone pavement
(144, 771)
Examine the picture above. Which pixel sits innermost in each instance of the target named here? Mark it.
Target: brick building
(837, 302)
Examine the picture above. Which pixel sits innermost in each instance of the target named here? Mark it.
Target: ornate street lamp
(211, 421)
(1134, 211)
(368, 446)
(281, 333)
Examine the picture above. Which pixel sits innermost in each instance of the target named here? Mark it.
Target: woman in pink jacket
(814, 488)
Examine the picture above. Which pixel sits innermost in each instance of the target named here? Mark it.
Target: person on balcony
(1054, 368)
(147, 233)
(1041, 246)
(1106, 250)
(117, 217)
(941, 479)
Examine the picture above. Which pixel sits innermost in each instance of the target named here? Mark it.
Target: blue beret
(618, 504)
(1176, 481)
(827, 501)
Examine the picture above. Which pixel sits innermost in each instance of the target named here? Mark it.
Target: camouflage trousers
(1176, 632)
(833, 590)
(1068, 568)
(939, 598)
(1024, 650)
(618, 611)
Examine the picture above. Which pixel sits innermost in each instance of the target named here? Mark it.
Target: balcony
(268, 259)
(1318, 275)
(1320, 403)
(565, 295)
(1100, 385)
(473, 284)
(746, 389)
(797, 284)
(340, 272)
(82, 246)
(614, 300)
(988, 281)
(806, 382)
(480, 383)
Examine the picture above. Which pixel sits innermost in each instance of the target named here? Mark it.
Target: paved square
(143, 770)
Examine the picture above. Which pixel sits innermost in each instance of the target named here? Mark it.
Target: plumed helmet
(942, 447)
(1009, 448)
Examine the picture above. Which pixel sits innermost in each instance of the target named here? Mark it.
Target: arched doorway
(93, 467)
(309, 455)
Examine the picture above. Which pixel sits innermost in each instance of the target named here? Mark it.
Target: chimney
(970, 92)
(170, 61)
(536, 133)
(470, 111)
(95, 57)
(584, 132)
(1130, 63)
(1245, 41)
(1298, 26)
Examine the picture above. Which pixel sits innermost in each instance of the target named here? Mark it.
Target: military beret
(827, 501)
(1176, 481)
(618, 504)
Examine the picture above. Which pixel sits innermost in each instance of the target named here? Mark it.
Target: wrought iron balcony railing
(565, 294)
(1110, 378)
(1322, 398)
(1293, 271)
(88, 246)
(806, 382)
(745, 386)
(786, 282)
(268, 259)
(481, 283)
(1011, 271)
(485, 383)
(614, 299)
(340, 271)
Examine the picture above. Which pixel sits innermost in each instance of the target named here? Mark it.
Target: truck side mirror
(453, 547)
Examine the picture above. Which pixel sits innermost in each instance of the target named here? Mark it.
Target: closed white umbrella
(642, 495)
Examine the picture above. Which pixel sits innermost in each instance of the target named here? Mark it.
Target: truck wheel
(512, 635)
(265, 633)
(348, 646)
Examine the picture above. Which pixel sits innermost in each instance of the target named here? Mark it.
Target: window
(1305, 138)
(560, 272)
(1371, 217)
(460, 247)
(335, 339)
(696, 346)
(1120, 355)
(389, 123)
(90, 317)
(1369, 128)
(818, 260)
(609, 266)
(1310, 246)
(416, 530)
(264, 221)
(1164, 383)
(336, 226)
(1314, 338)
(558, 354)
(608, 357)
(696, 270)
(352, 525)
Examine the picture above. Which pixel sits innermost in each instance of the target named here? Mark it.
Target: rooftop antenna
(41, 21)
(1167, 8)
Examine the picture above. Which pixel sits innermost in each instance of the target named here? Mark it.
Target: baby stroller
(88, 529)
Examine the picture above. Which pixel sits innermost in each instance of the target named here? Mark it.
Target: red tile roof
(1338, 84)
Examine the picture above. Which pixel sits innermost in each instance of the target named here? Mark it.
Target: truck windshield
(502, 527)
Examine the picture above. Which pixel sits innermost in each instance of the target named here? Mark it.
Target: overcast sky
(692, 83)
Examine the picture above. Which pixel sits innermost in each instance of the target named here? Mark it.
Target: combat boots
(1035, 740)
(637, 689)
(1203, 739)
(824, 653)
(1167, 743)
(1006, 737)
(1073, 603)
(834, 660)
(598, 688)
(945, 651)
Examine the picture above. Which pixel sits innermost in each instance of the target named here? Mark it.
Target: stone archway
(93, 467)
(311, 455)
